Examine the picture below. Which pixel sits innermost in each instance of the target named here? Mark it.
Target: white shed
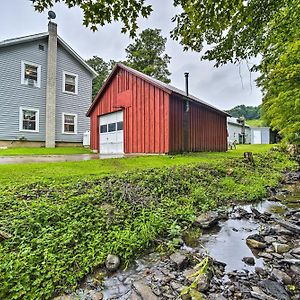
(260, 135)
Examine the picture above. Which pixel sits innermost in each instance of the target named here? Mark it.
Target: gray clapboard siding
(14, 95)
(73, 104)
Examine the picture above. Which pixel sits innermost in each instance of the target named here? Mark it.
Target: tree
(281, 87)
(248, 112)
(101, 12)
(103, 69)
(235, 29)
(146, 54)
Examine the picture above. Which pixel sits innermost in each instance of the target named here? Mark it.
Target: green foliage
(248, 112)
(146, 55)
(281, 86)
(62, 230)
(200, 270)
(103, 69)
(234, 29)
(100, 12)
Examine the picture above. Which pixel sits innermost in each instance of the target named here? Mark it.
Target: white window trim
(37, 127)
(75, 123)
(64, 81)
(39, 72)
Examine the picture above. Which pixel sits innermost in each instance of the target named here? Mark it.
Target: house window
(70, 83)
(69, 123)
(29, 119)
(30, 74)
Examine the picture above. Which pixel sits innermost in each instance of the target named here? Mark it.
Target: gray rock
(265, 255)
(207, 220)
(270, 239)
(288, 225)
(275, 289)
(261, 271)
(296, 251)
(96, 295)
(295, 269)
(277, 255)
(216, 297)
(281, 248)
(134, 296)
(112, 262)
(257, 293)
(179, 259)
(176, 286)
(282, 276)
(204, 283)
(255, 244)
(290, 261)
(249, 260)
(144, 291)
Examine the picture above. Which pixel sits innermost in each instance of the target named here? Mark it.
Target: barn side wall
(207, 128)
(146, 114)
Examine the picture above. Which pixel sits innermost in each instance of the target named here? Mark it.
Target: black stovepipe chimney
(186, 75)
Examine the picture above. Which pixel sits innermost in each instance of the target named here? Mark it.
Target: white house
(238, 131)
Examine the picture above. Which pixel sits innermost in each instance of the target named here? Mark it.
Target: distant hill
(248, 112)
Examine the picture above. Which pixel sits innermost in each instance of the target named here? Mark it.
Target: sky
(224, 87)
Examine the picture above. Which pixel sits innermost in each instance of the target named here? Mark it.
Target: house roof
(234, 121)
(164, 86)
(38, 36)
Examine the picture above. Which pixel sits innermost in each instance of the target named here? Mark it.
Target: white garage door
(111, 133)
(256, 137)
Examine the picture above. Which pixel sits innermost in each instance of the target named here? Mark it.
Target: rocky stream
(245, 252)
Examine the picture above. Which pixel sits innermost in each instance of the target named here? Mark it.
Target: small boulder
(261, 271)
(207, 220)
(179, 259)
(256, 241)
(281, 248)
(295, 269)
(249, 260)
(112, 262)
(144, 291)
(270, 239)
(296, 251)
(275, 289)
(282, 276)
(95, 295)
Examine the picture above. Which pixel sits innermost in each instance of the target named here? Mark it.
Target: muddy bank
(247, 252)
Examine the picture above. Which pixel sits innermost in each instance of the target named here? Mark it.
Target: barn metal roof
(38, 36)
(164, 86)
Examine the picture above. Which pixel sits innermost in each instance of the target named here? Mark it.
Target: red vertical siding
(207, 128)
(146, 117)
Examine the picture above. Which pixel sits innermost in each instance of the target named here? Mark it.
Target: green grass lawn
(44, 151)
(255, 123)
(26, 173)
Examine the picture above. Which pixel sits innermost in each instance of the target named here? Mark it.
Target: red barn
(134, 113)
